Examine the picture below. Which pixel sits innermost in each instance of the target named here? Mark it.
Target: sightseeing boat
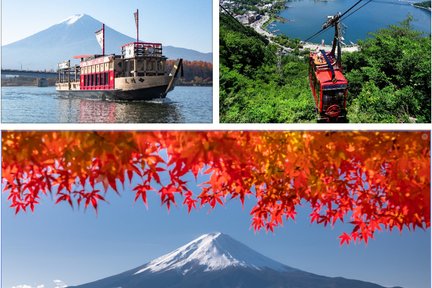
(139, 73)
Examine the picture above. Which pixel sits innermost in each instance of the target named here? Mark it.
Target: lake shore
(421, 7)
(259, 27)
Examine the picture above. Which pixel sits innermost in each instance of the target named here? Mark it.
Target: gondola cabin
(329, 87)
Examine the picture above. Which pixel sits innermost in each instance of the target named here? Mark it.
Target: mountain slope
(74, 36)
(218, 261)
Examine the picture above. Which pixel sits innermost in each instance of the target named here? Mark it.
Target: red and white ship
(139, 73)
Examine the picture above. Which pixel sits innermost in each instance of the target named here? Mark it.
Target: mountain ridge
(216, 260)
(75, 36)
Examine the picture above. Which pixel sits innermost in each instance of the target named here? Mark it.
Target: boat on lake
(140, 72)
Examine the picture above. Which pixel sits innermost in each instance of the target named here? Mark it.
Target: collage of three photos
(230, 143)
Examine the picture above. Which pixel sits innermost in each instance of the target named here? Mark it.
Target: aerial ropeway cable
(340, 17)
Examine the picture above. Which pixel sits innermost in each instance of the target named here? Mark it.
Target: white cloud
(59, 284)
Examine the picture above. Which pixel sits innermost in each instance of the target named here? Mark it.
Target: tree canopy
(389, 77)
(374, 180)
(256, 85)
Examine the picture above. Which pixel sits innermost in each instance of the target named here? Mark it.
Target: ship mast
(136, 14)
(103, 39)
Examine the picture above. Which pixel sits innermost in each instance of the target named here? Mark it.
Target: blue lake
(305, 18)
(45, 105)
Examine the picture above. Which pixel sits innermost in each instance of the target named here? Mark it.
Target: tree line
(194, 72)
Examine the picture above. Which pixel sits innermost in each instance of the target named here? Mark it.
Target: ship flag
(100, 36)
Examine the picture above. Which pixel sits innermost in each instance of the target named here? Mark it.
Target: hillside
(259, 86)
(253, 87)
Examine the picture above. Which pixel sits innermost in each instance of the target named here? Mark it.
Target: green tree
(390, 76)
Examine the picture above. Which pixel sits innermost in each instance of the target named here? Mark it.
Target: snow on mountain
(216, 260)
(75, 36)
(214, 251)
(72, 19)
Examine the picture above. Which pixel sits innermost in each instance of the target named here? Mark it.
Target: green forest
(389, 78)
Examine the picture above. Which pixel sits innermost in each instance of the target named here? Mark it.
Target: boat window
(150, 65)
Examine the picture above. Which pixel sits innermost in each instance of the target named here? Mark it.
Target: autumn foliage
(373, 180)
(194, 72)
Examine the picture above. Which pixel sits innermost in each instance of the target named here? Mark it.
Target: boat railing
(67, 74)
(140, 49)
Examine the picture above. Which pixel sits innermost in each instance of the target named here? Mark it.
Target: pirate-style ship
(139, 73)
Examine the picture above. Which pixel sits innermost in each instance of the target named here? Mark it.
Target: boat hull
(130, 95)
(127, 88)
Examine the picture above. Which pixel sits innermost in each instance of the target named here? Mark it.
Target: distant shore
(29, 81)
(421, 7)
(259, 27)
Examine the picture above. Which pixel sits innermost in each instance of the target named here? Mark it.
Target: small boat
(139, 73)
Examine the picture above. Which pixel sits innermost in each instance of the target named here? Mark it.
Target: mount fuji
(216, 260)
(75, 36)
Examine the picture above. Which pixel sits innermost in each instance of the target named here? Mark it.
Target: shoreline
(258, 26)
(421, 7)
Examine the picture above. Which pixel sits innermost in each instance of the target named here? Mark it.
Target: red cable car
(328, 84)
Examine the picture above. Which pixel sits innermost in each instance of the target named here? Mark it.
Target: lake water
(307, 16)
(45, 105)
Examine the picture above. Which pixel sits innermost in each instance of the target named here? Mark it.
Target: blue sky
(186, 23)
(77, 247)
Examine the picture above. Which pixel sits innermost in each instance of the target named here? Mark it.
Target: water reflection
(75, 109)
(45, 105)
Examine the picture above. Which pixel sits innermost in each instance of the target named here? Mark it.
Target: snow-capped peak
(214, 251)
(72, 19)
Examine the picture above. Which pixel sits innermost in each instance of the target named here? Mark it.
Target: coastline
(260, 26)
(421, 7)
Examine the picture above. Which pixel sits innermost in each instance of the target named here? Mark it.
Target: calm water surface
(45, 105)
(307, 16)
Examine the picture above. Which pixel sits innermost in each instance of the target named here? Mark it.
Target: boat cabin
(98, 72)
(141, 59)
